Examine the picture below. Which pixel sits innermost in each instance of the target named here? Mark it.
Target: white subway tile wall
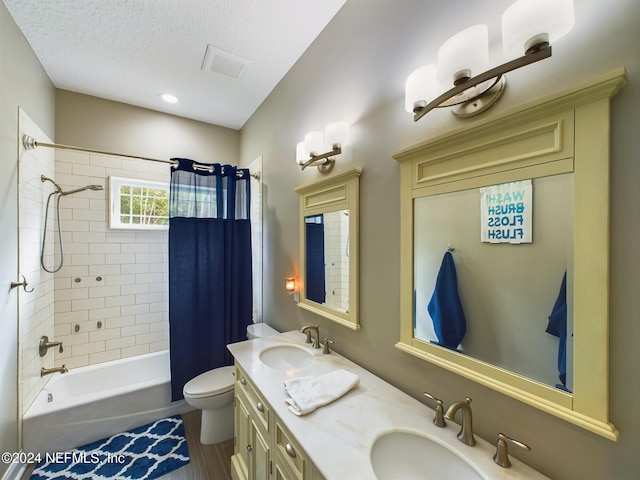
(111, 295)
(36, 309)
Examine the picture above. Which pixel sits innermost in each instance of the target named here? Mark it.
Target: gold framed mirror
(562, 136)
(329, 213)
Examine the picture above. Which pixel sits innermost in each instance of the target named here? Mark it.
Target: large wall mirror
(517, 209)
(329, 248)
(508, 286)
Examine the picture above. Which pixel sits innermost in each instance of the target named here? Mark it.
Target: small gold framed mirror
(329, 212)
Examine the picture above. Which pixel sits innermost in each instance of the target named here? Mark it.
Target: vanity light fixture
(335, 137)
(290, 284)
(532, 25)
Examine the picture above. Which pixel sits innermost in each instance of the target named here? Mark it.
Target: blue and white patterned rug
(144, 453)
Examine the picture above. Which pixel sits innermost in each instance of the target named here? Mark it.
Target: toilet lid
(214, 382)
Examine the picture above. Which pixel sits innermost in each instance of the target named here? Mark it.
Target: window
(138, 204)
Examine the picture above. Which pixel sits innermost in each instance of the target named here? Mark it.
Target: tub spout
(48, 371)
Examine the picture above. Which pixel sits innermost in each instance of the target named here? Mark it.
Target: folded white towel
(308, 393)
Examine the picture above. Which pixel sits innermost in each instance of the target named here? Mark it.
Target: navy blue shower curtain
(210, 286)
(316, 290)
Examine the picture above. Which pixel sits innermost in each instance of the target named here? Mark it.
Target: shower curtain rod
(31, 143)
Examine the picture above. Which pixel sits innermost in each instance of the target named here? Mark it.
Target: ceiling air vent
(223, 63)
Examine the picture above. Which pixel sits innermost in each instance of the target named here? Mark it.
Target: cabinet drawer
(259, 408)
(289, 450)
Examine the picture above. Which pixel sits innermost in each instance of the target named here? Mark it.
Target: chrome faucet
(45, 345)
(308, 329)
(48, 371)
(466, 431)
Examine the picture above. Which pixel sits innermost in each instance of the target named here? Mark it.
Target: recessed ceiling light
(167, 97)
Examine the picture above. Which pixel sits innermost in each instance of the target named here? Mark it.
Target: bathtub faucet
(48, 371)
(45, 345)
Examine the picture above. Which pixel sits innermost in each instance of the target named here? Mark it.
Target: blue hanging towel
(445, 307)
(557, 326)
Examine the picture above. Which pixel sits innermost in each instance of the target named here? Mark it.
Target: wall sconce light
(290, 284)
(335, 136)
(529, 25)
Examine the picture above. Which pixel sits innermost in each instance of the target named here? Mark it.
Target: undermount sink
(408, 456)
(287, 357)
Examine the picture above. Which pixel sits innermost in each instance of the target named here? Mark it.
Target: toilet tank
(260, 330)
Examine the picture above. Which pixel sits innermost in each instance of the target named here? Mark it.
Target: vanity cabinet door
(259, 461)
(251, 453)
(252, 413)
(240, 459)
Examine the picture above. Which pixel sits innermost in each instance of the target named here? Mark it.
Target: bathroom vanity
(353, 437)
(263, 445)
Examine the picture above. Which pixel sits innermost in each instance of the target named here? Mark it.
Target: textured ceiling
(130, 51)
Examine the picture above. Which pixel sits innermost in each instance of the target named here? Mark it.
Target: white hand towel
(308, 393)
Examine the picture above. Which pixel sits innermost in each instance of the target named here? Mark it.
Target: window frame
(115, 197)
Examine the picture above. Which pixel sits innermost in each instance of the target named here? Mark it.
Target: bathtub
(94, 402)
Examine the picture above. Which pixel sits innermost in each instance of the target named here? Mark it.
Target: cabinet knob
(260, 407)
(249, 447)
(243, 380)
(290, 450)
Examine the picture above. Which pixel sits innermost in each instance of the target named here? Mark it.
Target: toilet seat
(211, 383)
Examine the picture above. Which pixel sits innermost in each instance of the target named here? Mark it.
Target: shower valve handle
(45, 345)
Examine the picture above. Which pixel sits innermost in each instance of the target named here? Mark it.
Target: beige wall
(355, 71)
(24, 83)
(100, 124)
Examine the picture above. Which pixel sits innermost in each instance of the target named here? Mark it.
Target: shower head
(71, 192)
(95, 188)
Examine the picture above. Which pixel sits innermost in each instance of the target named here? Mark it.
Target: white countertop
(338, 437)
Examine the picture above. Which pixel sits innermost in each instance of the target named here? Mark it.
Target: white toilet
(212, 392)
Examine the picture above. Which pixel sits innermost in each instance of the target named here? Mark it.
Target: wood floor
(206, 462)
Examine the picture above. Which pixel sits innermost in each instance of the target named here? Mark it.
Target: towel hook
(22, 284)
(450, 248)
